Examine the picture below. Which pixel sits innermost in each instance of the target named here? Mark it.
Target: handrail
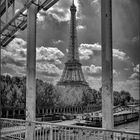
(72, 126)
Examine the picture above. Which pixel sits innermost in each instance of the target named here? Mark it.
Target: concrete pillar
(31, 72)
(0, 78)
(0, 71)
(107, 71)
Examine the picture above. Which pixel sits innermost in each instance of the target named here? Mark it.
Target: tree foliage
(13, 91)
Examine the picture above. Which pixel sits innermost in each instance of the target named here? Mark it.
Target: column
(31, 72)
(107, 72)
(0, 71)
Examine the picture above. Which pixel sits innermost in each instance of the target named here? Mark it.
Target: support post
(31, 72)
(0, 72)
(107, 72)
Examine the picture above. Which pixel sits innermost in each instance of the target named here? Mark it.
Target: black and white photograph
(69, 69)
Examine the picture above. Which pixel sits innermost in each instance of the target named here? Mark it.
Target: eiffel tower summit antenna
(72, 2)
(72, 74)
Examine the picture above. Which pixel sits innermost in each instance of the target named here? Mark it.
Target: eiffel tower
(72, 74)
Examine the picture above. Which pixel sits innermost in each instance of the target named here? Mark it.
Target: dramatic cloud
(119, 54)
(132, 86)
(14, 59)
(95, 71)
(86, 50)
(136, 74)
(40, 17)
(48, 69)
(49, 54)
(57, 42)
(81, 27)
(92, 70)
(60, 11)
(94, 82)
(85, 54)
(137, 68)
(15, 50)
(13, 70)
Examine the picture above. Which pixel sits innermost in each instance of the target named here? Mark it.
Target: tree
(117, 98)
(46, 94)
(13, 91)
(125, 97)
(88, 97)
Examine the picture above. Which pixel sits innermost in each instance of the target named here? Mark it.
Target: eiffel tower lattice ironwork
(72, 74)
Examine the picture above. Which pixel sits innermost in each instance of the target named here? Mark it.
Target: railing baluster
(48, 131)
(58, 134)
(69, 132)
(76, 134)
(85, 135)
(134, 137)
(54, 133)
(51, 133)
(114, 136)
(37, 133)
(62, 133)
(34, 135)
(45, 133)
(121, 136)
(98, 136)
(40, 131)
(65, 129)
(43, 127)
(127, 137)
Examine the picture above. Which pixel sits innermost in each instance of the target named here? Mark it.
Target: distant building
(72, 74)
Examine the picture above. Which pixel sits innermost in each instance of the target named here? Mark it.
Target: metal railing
(15, 129)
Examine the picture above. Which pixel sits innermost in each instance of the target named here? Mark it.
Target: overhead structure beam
(3, 6)
(107, 70)
(20, 20)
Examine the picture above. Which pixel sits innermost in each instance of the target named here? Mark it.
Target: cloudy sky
(53, 41)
